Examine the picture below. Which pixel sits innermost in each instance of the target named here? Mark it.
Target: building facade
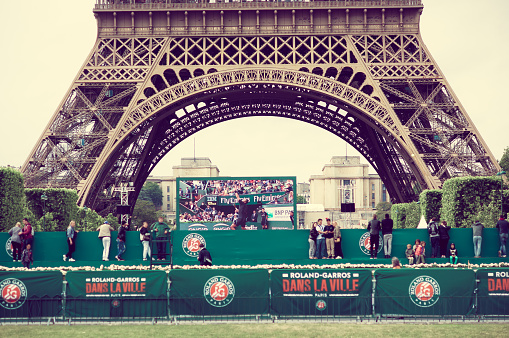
(346, 180)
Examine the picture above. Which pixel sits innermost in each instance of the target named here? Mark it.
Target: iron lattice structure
(159, 73)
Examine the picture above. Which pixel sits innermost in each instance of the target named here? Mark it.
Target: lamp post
(44, 198)
(501, 191)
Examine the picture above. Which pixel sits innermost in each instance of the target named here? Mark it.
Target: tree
(144, 211)
(504, 161)
(383, 208)
(153, 193)
(301, 199)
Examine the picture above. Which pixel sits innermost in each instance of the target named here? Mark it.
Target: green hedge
(465, 199)
(406, 215)
(61, 203)
(11, 198)
(431, 203)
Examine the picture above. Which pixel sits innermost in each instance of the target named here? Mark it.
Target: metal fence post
(64, 298)
(373, 293)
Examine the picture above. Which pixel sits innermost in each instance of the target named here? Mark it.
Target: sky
(45, 43)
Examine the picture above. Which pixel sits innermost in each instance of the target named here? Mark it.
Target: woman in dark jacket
(443, 231)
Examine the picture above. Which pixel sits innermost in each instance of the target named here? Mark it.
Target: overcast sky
(45, 43)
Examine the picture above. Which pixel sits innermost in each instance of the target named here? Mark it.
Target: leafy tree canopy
(153, 193)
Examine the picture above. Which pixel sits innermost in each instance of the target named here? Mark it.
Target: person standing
(313, 234)
(503, 227)
(434, 237)
(320, 241)
(254, 217)
(204, 256)
(145, 240)
(264, 216)
(26, 257)
(374, 236)
(387, 225)
(71, 241)
(16, 242)
(26, 233)
(162, 229)
(242, 211)
(121, 237)
(338, 252)
(105, 235)
(329, 238)
(477, 228)
(443, 231)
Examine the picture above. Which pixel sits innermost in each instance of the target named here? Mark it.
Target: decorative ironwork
(358, 69)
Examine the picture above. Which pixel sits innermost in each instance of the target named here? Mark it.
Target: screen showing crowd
(236, 203)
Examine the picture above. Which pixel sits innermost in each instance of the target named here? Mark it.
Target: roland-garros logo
(14, 293)
(424, 291)
(191, 244)
(365, 243)
(8, 247)
(219, 291)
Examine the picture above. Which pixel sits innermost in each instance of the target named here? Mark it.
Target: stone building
(346, 180)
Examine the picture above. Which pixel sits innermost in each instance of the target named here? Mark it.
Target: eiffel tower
(161, 71)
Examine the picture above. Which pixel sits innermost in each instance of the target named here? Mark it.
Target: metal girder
(126, 109)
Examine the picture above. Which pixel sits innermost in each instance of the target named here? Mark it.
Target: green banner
(321, 292)
(493, 294)
(30, 294)
(219, 292)
(116, 294)
(426, 292)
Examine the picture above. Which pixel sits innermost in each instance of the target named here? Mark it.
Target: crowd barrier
(253, 294)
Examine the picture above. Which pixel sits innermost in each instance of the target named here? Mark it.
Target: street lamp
(44, 198)
(501, 191)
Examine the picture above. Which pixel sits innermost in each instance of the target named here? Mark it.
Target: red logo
(219, 291)
(424, 291)
(11, 293)
(193, 244)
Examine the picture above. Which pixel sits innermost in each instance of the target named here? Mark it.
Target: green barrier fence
(321, 292)
(424, 292)
(30, 294)
(219, 292)
(493, 293)
(140, 294)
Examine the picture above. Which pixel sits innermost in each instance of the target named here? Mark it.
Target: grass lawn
(260, 330)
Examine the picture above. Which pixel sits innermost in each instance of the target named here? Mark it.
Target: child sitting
(453, 254)
(26, 257)
(409, 253)
(417, 243)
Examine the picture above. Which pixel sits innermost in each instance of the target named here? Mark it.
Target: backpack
(433, 229)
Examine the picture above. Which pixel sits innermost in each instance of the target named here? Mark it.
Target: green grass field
(260, 330)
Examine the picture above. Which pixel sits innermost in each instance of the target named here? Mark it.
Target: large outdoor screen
(236, 203)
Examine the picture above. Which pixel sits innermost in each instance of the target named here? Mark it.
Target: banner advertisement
(428, 292)
(321, 292)
(116, 293)
(30, 294)
(493, 294)
(219, 292)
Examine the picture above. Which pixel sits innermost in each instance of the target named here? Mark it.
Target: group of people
(22, 238)
(325, 240)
